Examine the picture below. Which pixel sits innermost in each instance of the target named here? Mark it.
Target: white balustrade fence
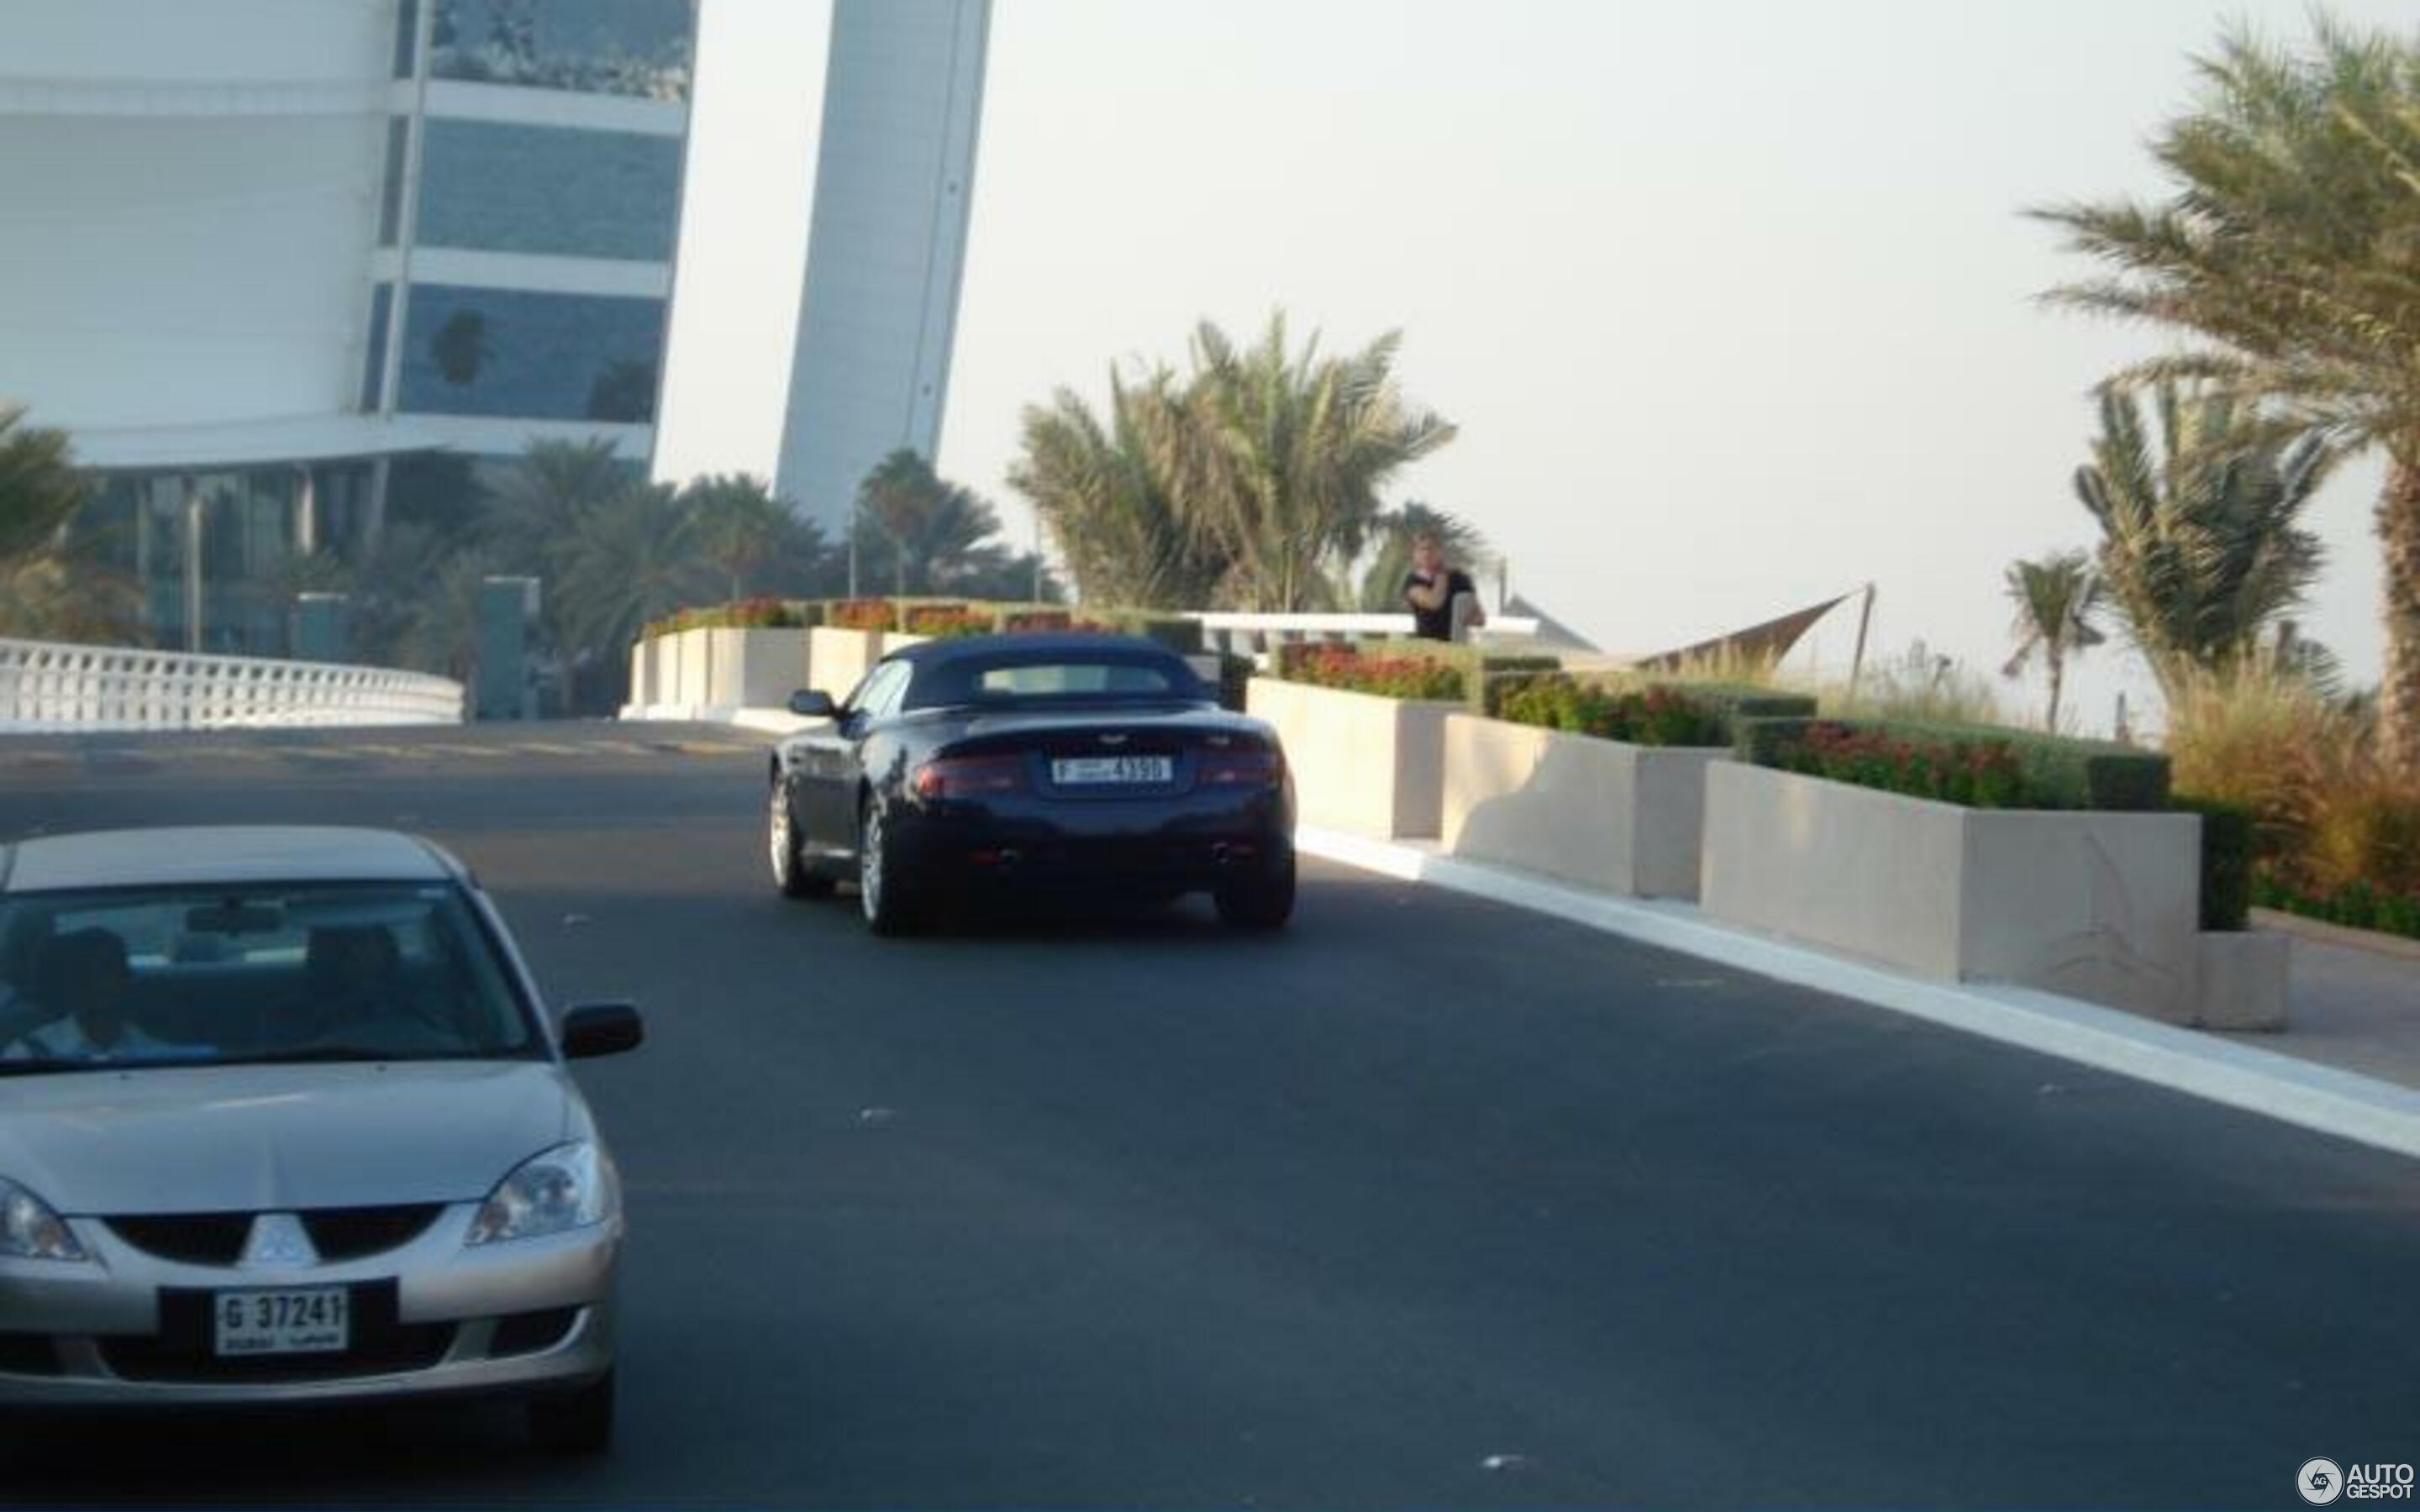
(1255, 635)
(49, 687)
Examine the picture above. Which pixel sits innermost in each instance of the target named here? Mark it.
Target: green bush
(2354, 905)
(2228, 831)
(1656, 714)
(1940, 760)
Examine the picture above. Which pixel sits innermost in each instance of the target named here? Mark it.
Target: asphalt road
(1426, 1203)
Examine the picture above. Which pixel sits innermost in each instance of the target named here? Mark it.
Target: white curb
(2365, 1109)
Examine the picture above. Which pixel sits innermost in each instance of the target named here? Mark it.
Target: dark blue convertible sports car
(1032, 761)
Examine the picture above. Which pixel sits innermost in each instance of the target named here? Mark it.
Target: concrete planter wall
(2101, 907)
(1622, 818)
(2243, 982)
(1362, 764)
(837, 660)
(643, 673)
(757, 668)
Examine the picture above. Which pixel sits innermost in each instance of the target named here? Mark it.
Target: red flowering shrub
(863, 614)
(1389, 677)
(948, 619)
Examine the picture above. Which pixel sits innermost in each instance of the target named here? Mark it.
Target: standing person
(1443, 599)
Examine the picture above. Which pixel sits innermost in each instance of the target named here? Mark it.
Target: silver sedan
(282, 1119)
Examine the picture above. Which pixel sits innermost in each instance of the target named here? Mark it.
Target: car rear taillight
(969, 777)
(1241, 769)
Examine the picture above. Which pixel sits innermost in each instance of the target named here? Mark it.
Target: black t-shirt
(1435, 624)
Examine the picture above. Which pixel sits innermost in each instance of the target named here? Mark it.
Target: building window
(407, 38)
(480, 351)
(610, 47)
(398, 136)
(373, 368)
(562, 191)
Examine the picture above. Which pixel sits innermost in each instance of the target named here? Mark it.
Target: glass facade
(611, 47)
(248, 528)
(524, 356)
(558, 191)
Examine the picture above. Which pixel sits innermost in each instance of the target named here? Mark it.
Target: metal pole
(192, 565)
(1857, 658)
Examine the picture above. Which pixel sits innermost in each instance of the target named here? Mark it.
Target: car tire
(888, 908)
(576, 1422)
(1264, 902)
(791, 873)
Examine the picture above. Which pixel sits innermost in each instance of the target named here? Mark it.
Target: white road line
(2365, 1109)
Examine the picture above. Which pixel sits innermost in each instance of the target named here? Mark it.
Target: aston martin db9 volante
(1032, 763)
(283, 1121)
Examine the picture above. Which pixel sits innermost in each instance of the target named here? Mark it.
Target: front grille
(351, 1233)
(183, 1352)
(218, 1238)
(27, 1354)
(188, 1237)
(532, 1332)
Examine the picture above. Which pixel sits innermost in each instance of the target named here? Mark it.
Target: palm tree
(541, 502)
(2201, 547)
(1252, 484)
(1108, 502)
(742, 529)
(2056, 598)
(1285, 455)
(40, 487)
(632, 559)
(924, 530)
(2288, 246)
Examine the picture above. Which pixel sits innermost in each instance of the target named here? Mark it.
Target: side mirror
(809, 704)
(594, 1030)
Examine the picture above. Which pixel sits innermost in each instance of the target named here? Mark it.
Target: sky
(1733, 301)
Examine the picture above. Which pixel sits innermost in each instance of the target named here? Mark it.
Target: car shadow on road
(421, 1454)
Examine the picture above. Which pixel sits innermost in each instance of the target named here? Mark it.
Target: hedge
(2228, 831)
(1646, 712)
(1925, 760)
(2356, 906)
(741, 615)
(1439, 670)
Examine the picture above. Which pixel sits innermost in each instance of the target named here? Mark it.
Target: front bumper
(432, 1318)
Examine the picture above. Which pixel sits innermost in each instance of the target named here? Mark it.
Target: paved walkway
(2355, 1005)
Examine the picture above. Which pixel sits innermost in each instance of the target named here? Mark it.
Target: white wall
(902, 108)
(191, 193)
(197, 41)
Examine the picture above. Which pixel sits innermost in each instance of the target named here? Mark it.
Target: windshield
(251, 975)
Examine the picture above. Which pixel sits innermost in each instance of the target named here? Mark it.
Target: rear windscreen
(1044, 678)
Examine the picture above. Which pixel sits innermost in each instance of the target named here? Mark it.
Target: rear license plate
(290, 1320)
(1088, 771)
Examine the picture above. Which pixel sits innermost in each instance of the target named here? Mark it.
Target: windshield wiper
(36, 1065)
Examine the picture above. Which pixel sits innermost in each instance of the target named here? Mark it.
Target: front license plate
(290, 1321)
(1086, 771)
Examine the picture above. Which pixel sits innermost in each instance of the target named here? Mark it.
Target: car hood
(254, 1138)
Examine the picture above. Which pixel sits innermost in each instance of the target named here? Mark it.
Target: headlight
(29, 1230)
(566, 1188)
